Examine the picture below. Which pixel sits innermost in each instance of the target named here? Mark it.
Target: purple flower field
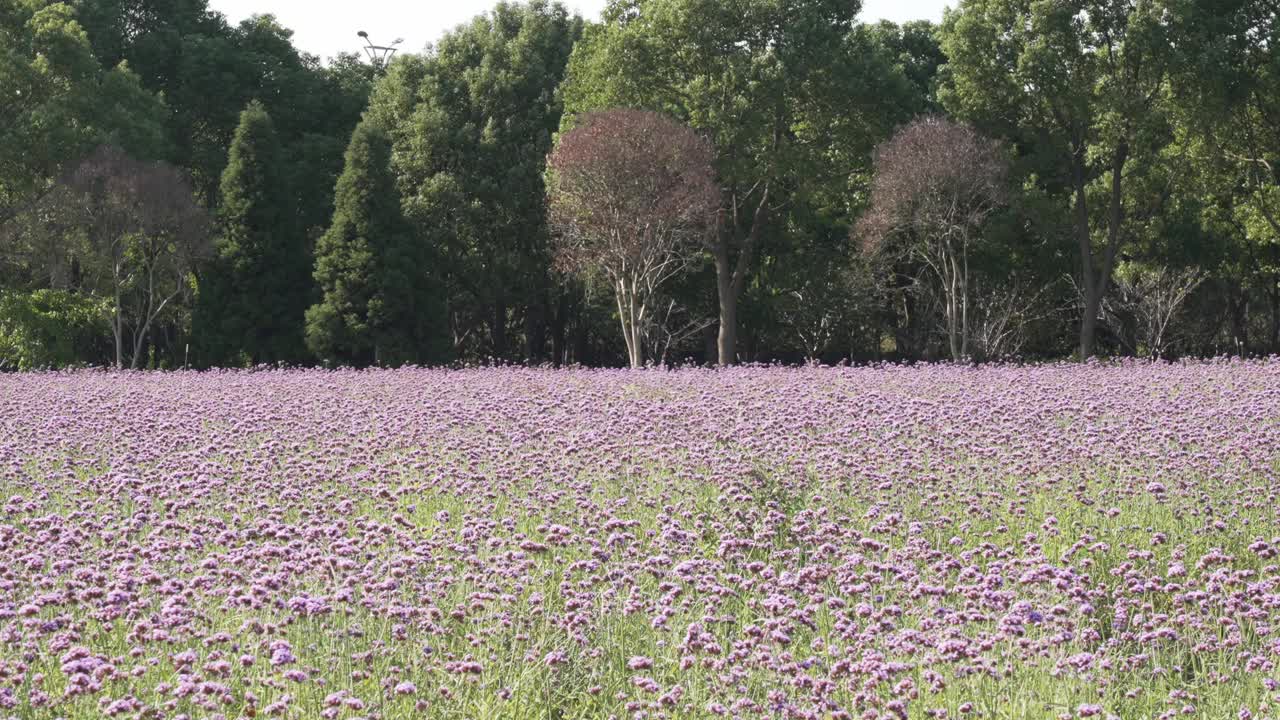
(943, 542)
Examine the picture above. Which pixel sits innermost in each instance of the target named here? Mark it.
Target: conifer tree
(377, 306)
(253, 298)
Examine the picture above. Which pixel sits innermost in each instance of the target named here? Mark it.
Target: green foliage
(917, 51)
(793, 97)
(1225, 67)
(59, 103)
(1081, 89)
(1059, 78)
(797, 93)
(253, 296)
(1145, 137)
(378, 304)
(52, 329)
(472, 123)
(208, 71)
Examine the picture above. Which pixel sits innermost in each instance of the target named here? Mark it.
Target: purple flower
(639, 662)
(282, 653)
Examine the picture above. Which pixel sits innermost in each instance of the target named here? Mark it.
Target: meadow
(1064, 541)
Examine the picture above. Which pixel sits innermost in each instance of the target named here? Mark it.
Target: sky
(327, 27)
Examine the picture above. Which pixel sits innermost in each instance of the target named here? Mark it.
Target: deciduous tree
(146, 236)
(631, 194)
(1225, 90)
(936, 183)
(472, 122)
(1080, 85)
(57, 103)
(793, 95)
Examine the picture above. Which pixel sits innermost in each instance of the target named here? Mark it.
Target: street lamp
(379, 55)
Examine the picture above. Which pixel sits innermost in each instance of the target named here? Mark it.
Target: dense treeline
(164, 85)
(748, 181)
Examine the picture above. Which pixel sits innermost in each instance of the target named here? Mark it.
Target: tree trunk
(139, 341)
(559, 323)
(727, 340)
(118, 327)
(535, 328)
(1089, 324)
(964, 302)
(637, 351)
(953, 306)
(1274, 296)
(710, 345)
(627, 316)
(904, 335)
(140, 334)
(1096, 280)
(732, 278)
(142, 342)
(637, 321)
(1239, 313)
(499, 330)
(1092, 301)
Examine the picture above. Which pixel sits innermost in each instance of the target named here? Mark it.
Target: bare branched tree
(826, 306)
(936, 183)
(814, 322)
(672, 328)
(145, 231)
(631, 192)
(1148, 300)
(1002, 317)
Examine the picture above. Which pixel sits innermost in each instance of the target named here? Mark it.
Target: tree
(44, 61)
(209, 70)
(936, 183)
(793, 96)
(1225, 89)
(631, 192)
(162, 80)
(117, 227)
(1150, 299)
(334, 98)
(254, 296)
(147, 233)
(52, 329)
(59, 103)
(1079, 85)
(472, 123)
(915, 48)
(377, 306)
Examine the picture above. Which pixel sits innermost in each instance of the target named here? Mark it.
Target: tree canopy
(793, 97)
(254, 294)
(375, 307)
(632, 192)
(381, 214)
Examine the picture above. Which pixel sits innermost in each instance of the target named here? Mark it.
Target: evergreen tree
(472, 123)
(253, 298)
(377, 306)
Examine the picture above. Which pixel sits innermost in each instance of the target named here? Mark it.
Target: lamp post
(379, 55)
